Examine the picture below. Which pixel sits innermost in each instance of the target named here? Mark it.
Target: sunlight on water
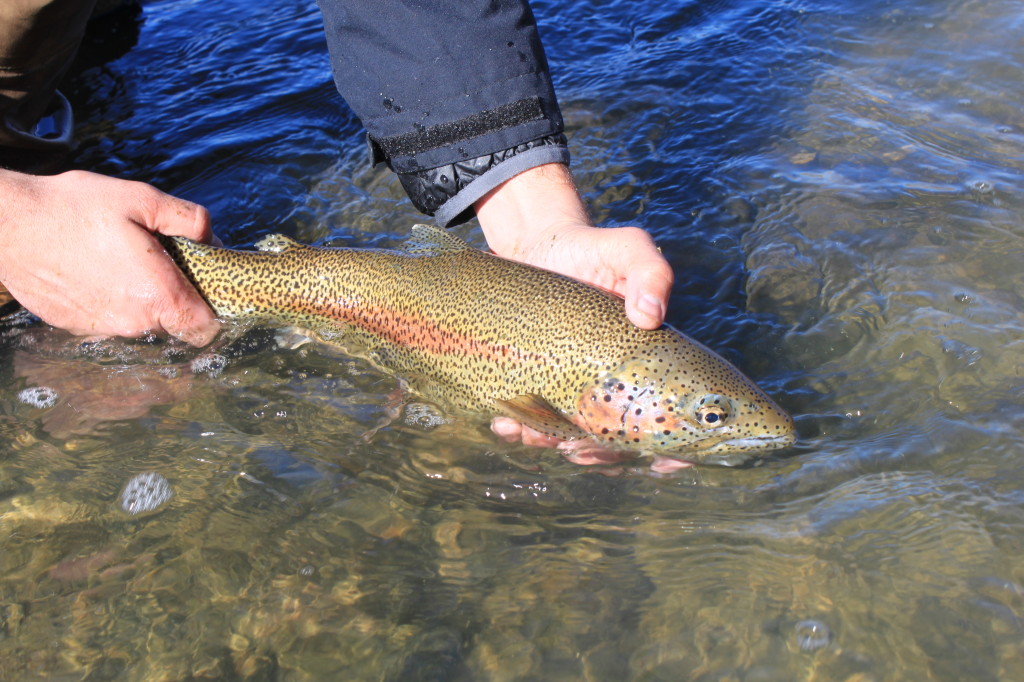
(837, 187)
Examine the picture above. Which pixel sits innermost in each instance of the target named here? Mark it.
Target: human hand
(77, 249)
(538, 218)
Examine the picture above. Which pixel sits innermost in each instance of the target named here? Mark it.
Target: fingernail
(651, 306)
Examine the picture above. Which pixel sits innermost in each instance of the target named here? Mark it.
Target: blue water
(837, 186)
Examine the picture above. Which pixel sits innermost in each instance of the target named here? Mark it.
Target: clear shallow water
(837, 187)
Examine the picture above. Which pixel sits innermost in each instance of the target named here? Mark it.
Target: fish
(469, 330)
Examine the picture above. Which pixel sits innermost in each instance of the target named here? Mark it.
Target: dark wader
(38, 42)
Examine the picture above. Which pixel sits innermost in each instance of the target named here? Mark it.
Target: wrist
(14, 188)
(448, 193)
(536, 205)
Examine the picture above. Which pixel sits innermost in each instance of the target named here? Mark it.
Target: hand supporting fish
(471, 330)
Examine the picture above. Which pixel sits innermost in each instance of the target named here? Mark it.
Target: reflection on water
(837, 187)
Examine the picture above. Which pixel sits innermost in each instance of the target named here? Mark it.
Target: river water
(838, 187)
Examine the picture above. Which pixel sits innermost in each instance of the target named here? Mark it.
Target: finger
(667, 465)
(593, 457)
(193, 330)
(509, 430)
(648, 284)
(180, 310)
(538, 439)
(189, 220)
(174, 216)
(188, 318)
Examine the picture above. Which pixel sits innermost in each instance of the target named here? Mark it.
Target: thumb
(176, 217)
(648, 284)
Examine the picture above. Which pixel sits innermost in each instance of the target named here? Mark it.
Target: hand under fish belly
(475, 331)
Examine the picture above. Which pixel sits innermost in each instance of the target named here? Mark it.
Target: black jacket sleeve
(455, 95)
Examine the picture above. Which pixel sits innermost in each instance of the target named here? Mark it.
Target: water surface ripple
(837, 185)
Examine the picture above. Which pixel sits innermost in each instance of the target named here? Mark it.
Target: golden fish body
(472, 330)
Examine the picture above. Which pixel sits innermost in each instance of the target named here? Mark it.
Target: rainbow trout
(468, 329)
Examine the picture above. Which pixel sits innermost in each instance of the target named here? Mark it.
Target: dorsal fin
(430, 239)
(277, 243)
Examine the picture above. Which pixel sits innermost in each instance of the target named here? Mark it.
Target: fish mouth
(735, 451)
(754, 443)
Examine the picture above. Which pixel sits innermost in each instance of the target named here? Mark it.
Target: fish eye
(712, 410)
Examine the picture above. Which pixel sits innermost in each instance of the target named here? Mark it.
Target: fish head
(677, 398)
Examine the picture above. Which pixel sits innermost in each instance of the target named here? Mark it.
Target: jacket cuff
(447, 193)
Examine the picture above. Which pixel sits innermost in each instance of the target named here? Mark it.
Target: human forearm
(536, 204)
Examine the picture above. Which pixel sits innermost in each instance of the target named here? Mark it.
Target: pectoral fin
(290, 338)
(537, 413)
